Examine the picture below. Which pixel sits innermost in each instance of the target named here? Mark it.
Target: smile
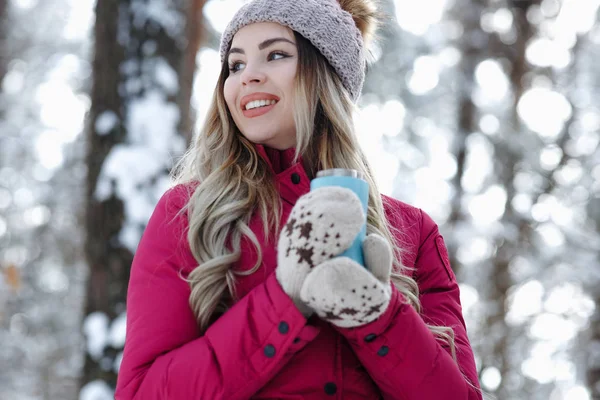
(252, 110)
(259, 103)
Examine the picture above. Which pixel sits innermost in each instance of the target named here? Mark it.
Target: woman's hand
(322, 225)
(346, 294)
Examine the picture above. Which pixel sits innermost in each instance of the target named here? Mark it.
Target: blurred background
(485, 113)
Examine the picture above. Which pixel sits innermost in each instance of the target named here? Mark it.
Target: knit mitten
(345, 293)
(322, 225)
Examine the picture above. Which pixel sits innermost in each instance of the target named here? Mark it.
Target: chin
(270, 140)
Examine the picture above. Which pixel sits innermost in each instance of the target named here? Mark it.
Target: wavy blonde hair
(234, 183)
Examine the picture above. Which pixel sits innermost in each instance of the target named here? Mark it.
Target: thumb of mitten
(378, 257)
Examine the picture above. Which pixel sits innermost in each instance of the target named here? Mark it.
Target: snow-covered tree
(140, 95)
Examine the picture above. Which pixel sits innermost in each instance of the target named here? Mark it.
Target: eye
(234, 66)
(278, 55)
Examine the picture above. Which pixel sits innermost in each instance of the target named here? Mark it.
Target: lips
(256, 96)
(257, 112)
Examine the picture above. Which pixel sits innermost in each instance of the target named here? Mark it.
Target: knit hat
(338, 29)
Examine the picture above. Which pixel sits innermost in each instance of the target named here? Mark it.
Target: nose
(251, 74)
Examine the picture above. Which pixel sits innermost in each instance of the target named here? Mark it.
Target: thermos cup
(353, 180)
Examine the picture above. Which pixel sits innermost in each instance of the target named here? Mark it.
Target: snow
(160, 12)
(384, 163)
(118, 360)
(128, 166)
(577, 393)
(152, 144)
(153, 120)
(473, 251)
(491, 378)
(469, 297)
(551, 235)
(117, 331)
(478, 163)
(489, 124)
(488, 207)
(205, 78)
(37, 216)
(13, 81)
(95, 328)
(545, 52)
(544, 111)
(570, 298)
(220, 12)
(24, 197)
(3, 227)
(96, 390)
(61, 110)
(106, 122)
(492, 83)
(49, 151)
(552, 327)
(25, 4)
(425, 75)
(166, 76)
(524, 302)
(546, 365)
(81, 17)
(52, 278)
(418, 17)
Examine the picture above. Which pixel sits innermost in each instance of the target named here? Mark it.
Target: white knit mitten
(322, 225)
(346, 294)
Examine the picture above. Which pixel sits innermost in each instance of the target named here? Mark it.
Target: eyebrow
(263, 45)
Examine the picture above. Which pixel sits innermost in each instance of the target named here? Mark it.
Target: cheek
(229, 92)
(290, 80)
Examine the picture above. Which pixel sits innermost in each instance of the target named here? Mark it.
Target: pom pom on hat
(366, 17)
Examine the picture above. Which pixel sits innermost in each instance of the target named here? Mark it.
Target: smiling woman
(257, 302)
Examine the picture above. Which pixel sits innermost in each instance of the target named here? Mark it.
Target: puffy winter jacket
(262, 347)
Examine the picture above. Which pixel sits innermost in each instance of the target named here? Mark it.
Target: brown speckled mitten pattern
(345, 293)
(322, 225)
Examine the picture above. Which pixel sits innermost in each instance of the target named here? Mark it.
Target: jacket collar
(291, 178)
(278, 160)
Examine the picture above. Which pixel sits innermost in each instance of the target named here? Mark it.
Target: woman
(236, 291)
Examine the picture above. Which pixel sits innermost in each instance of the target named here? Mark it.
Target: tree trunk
(3, 36)
(139, 67)
(108, 261)
(195, 36)
(508, 154)
(473, 45)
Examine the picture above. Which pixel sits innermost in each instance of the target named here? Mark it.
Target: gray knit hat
(323, 22)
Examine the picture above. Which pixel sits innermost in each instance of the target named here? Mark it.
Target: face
(259, 91)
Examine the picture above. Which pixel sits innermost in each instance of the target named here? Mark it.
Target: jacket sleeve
(166, 358)
(398, 350)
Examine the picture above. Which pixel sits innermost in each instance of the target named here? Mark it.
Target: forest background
(484, 113)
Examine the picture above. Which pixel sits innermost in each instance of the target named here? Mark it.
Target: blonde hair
(234, 183)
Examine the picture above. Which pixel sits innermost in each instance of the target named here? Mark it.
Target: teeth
(259, 103)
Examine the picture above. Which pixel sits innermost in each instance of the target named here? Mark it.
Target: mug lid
(340, 172)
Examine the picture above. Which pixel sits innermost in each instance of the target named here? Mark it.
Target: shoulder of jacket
(399, 212)
(410, 225)
(177, 196)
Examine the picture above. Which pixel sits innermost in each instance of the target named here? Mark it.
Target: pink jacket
(263, 348)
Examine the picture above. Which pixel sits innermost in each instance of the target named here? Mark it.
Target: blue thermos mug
(353, 180)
